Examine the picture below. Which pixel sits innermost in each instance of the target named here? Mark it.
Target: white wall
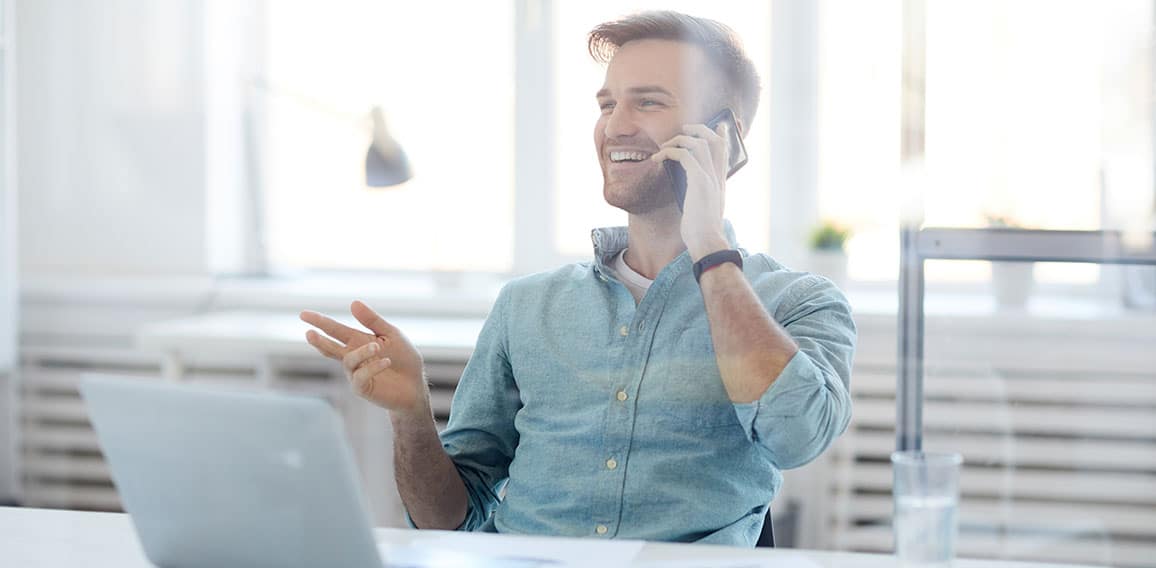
(112, 120)
(128, 114)
(8, 276)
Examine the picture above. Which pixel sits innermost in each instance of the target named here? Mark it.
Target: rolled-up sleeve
(480, 437)
(809, 404)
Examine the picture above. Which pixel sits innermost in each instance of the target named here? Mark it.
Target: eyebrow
(644, 90)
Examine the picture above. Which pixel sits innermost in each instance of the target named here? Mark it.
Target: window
(859, 117)
(1044, 125)
(447, 88)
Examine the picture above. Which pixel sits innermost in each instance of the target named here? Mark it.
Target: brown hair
(721, 45)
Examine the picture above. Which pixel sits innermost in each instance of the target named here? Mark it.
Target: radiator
(1058, 432)
(61, 464)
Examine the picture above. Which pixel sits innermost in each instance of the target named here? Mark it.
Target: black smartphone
(736, 150)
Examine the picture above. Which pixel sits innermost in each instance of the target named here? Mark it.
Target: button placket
(609, 500)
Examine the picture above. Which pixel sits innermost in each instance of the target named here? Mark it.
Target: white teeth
(628, 156)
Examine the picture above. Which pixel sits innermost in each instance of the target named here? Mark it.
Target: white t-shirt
(635, 282)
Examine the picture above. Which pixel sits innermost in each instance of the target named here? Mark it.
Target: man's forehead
(651, 63)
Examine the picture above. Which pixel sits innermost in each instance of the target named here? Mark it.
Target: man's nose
(620, 123)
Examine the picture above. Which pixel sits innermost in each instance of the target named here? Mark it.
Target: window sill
(432, 294)
(472, 295)
(439, 295)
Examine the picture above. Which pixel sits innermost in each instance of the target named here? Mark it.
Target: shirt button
(624, 331)
(611, 463)
(622, 395)
(601, 529)
(641, 325)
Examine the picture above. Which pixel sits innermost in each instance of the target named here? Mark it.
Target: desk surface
(44, 538)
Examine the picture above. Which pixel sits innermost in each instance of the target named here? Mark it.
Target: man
(629, 396)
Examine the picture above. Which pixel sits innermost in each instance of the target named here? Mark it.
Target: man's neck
(654, 241)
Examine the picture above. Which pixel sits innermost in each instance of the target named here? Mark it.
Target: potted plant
(828, 255)
(1012, 281)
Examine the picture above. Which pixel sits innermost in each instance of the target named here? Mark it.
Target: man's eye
(649, 103)
(606, 107)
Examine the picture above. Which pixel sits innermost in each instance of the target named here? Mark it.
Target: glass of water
(926, 492)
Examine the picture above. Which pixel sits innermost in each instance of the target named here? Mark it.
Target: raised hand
(703, 154)
(382, 365)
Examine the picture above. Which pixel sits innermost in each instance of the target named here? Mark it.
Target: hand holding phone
(736, 152)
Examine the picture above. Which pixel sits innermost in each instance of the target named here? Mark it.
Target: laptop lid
(215, 477)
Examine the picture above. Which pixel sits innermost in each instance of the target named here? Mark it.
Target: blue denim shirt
(605, 419)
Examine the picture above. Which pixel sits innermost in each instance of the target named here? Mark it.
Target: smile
(630, 156)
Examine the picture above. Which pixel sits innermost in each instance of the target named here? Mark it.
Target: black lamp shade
(386, 164)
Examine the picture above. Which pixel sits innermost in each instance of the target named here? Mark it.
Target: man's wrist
(411, 419)
(708, 246)
(714, 260)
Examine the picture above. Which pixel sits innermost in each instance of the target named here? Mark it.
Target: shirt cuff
(786, 396)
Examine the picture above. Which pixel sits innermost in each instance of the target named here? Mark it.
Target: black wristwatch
(716, 258)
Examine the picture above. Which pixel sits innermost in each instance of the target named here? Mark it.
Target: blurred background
(179, 178)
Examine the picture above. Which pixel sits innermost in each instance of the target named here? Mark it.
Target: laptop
(222, 477)
(214, 477)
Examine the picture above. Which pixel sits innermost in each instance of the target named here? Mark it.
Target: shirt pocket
(694, 416)
(688, 394)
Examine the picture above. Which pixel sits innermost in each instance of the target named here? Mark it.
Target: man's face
(652, 88)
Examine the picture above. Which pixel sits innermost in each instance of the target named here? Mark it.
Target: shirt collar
(609, 241)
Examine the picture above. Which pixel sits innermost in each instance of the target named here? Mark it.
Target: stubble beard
(647, 194)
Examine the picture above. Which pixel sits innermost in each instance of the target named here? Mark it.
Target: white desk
(43, 538)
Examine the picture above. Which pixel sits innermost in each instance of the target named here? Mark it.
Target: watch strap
(716, 258)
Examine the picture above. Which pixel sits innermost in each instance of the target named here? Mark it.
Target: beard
(646, 193)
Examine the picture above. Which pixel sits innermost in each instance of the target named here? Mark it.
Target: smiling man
(655, 392)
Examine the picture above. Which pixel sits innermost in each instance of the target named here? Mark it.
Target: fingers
(362, 378)
(682, 156)
(704, 132)
(330, 326)
(324, 345)
(372, 320)
(717, 140)
(689, 142)
(355, 357)
(699, 148)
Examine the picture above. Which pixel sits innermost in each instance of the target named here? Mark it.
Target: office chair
(767, 537)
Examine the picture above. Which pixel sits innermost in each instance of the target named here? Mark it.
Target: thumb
(371, 319)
